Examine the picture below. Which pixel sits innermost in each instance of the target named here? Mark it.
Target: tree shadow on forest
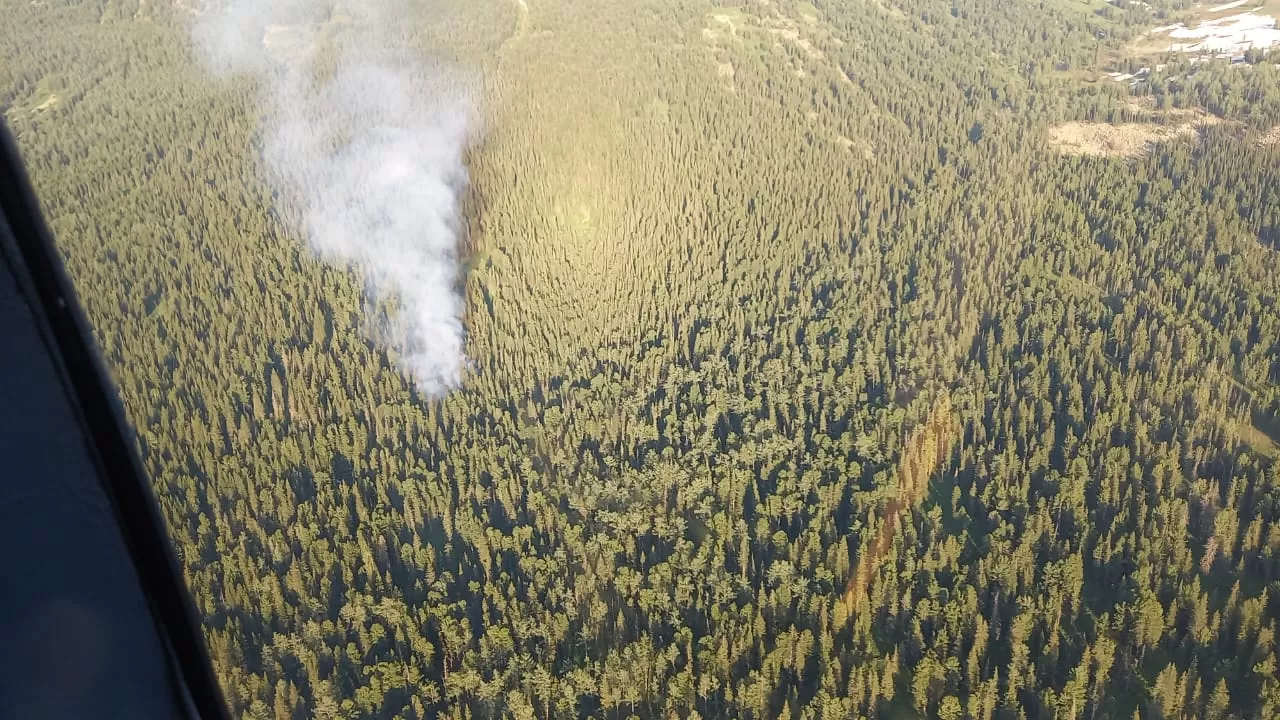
(341, 469)
(1270, 236)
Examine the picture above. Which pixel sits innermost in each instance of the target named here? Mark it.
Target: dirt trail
(922, 455)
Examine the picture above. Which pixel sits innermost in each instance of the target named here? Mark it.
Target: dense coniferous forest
(808, 379)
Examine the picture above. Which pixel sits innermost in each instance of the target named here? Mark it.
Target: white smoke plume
(368, 140)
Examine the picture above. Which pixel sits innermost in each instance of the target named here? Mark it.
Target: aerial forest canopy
(863, 358)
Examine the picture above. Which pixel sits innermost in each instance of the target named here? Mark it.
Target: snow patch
(1226, 36)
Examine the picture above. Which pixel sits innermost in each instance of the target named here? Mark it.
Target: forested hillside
(808, 378)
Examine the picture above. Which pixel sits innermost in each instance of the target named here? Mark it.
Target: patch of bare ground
(721, 26)
(861, 147)
(48, 102)
(1131, 139)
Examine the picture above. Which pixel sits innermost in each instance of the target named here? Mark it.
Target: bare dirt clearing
(722, 26)
(288, 44)
(293, 43)
(47, 103)
(726, 25)
(32, 107)
(1126, 139)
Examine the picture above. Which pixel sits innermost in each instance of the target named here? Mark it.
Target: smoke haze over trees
(369, 152)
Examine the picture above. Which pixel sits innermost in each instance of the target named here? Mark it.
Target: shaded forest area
(746, 284)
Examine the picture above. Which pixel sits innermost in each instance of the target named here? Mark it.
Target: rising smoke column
(370, 149)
